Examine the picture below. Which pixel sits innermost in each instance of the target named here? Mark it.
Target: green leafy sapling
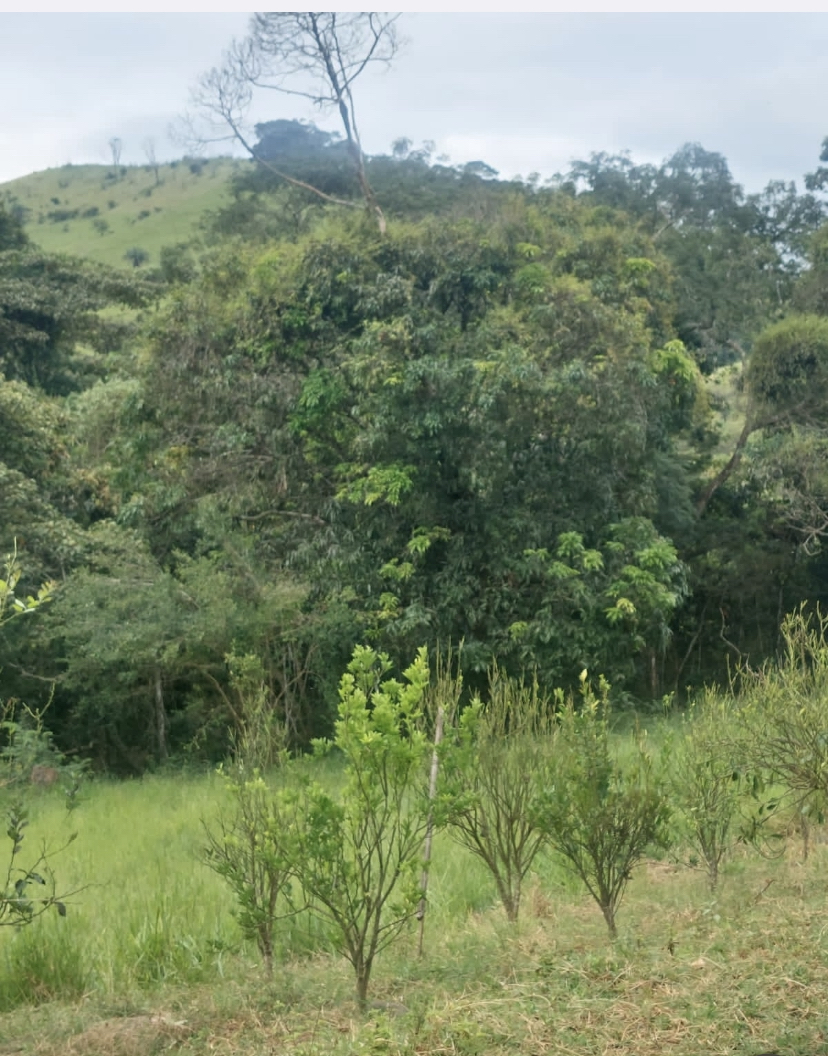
(358, 855)
(495, 766)
(783, 717)
(601, 814)
(711, 783)
(248, 847)
(26, 891)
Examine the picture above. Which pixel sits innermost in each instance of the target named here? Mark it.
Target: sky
(524, 92)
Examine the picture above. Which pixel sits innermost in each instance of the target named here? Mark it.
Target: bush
(600, 815)
(784, 715)
(495, 767)
(711, 782)
(358, 855)
(249, 849)
(136, 256)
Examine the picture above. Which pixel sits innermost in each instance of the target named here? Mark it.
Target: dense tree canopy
(579, 425)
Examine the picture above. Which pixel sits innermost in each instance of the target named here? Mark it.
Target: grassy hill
(100, 212)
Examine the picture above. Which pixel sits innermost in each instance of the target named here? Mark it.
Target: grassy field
(99, 212)
(150, 959)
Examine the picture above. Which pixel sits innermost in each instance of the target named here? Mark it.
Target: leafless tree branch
(314, 55)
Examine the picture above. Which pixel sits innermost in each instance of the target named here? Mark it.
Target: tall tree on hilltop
(315, 55)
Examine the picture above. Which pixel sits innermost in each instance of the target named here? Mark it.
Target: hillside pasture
(100, 212)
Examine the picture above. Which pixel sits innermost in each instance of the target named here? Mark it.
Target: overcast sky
(523, 92)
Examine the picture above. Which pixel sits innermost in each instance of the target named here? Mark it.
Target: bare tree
(315, 55)
(151, 156)
(116, 146)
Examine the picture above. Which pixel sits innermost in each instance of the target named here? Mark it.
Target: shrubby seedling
(784, 715)
(18, 904)
(711, 782)
(358, 855)
(495, 766)
(599, 814)
(249, 849)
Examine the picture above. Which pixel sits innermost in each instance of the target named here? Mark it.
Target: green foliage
(49, 304)
(495, 765)
(247, 849)
(711, 782)
(10, 604)
(602, 604)
(162, 637)
(600, 813)
(29, 890)
(488, 425)
(784, 713)
(788, 372)
(136, 256)
(732, 255)
(18, 903)
(357, 856)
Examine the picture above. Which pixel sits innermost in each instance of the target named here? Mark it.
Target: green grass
(150, 958)
(138, 210)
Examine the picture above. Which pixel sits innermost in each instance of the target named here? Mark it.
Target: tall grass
(150, 911)
(154, 936)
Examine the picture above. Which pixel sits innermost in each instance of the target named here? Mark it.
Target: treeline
(574, 425)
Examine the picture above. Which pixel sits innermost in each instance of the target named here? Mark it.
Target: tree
(601, 814)
(783, 714)
(358, 857)
(17, 882)
(136, 256)
(314, 55)
(151, 156)
(710, 781)
(115, 147)
(496, 763)
(787, 384)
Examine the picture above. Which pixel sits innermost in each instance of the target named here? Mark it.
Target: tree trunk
(363, 977)
(510, 897)
(432, 791)
(609, 917)
(727, 469)
(160, 718)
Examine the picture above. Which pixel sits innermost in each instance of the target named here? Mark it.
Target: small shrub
(177, 263)
(358, 856)
(784, 716)
(249, 849)
(711, 783)
(495, 766)
(136, 256)
(600, 815)
(59, 216)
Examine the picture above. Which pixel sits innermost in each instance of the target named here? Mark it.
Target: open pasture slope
(150, 959)
(100, 212)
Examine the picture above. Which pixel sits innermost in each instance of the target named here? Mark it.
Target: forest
(572, 425)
